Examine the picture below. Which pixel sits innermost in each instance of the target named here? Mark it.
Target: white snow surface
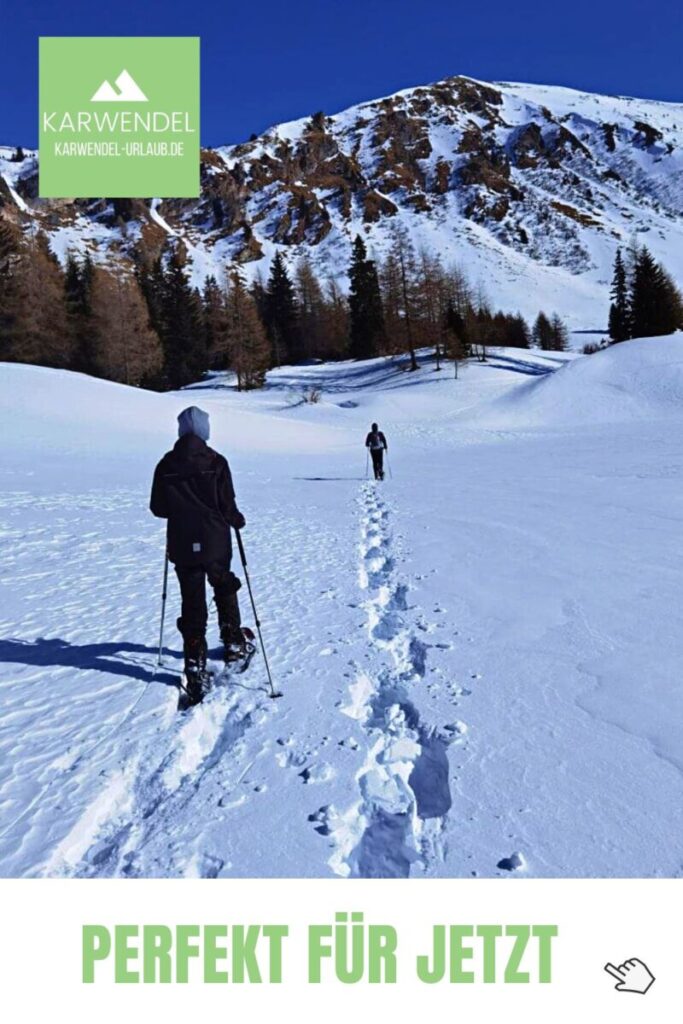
(480, 656)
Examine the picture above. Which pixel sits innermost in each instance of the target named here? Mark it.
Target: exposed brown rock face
(375, 206)
(532, 146)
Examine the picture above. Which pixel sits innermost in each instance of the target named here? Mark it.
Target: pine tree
(542, 333)
(518, 332)
(149, 272)
(183, 337)
(656, 306)
(559, 336)
(481, 331)
(619, 312)
(281, 314)
(456, 335)
(366, 317)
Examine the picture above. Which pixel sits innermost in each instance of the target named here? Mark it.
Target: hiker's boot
(196, 674)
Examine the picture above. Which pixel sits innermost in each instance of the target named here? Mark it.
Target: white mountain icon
(128, 91)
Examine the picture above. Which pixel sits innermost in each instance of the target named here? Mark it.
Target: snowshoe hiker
(377, 443)
(193, 490)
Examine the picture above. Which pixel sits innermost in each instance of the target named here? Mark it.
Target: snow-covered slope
(641, 380)
(480, 656)
(530, 188)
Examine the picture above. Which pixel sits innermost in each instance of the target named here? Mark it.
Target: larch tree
(125, 346)
(216, 324)
(33, 320)
(249, 346)
(311, 305)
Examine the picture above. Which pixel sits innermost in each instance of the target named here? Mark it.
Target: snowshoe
(239, 646)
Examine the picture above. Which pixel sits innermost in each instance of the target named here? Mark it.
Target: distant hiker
(193, 490)
(377, 443)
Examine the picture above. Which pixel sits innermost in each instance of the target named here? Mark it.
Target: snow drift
(640, 379)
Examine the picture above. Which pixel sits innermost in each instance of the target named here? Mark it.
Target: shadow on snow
(44, 653)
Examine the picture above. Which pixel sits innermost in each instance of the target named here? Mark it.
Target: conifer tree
(249, 348)
(559, 336)
(311, 306)
(216, 324)
(518, 332)
(182, 335)
(656, 306)
(457, 347)
(78, 281)
(125, 347)
(33, 322)
(336, 321)
(281, 314)
(366, 317)
(542, 332)
(404, 258)
(619, 312)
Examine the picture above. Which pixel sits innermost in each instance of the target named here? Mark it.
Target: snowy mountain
(480, 657)
(529, 188)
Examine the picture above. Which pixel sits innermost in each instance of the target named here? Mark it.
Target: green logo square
(119, 117)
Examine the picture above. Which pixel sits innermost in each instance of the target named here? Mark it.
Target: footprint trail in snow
(395, 828)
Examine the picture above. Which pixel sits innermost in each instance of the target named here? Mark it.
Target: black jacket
(376, 439)
(192, 488)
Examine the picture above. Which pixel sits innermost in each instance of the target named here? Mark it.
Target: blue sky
(264, 62)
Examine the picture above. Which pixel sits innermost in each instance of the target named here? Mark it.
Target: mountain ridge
(529, 188)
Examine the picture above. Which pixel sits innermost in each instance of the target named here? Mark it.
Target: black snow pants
(194, 614)
(378, 462)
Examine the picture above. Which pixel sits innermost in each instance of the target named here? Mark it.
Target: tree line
(145, 324)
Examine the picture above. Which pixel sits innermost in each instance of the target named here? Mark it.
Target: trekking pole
(367, 462)
(163, 607)
(391, 475)
(273, 692)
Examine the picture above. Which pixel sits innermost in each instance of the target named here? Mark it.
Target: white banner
(519, 950)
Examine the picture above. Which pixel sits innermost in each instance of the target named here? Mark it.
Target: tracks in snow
(404, 793)
(145, 797)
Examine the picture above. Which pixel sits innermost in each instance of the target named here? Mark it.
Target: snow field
(480, 656)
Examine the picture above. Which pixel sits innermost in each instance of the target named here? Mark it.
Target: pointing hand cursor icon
(631, 976)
